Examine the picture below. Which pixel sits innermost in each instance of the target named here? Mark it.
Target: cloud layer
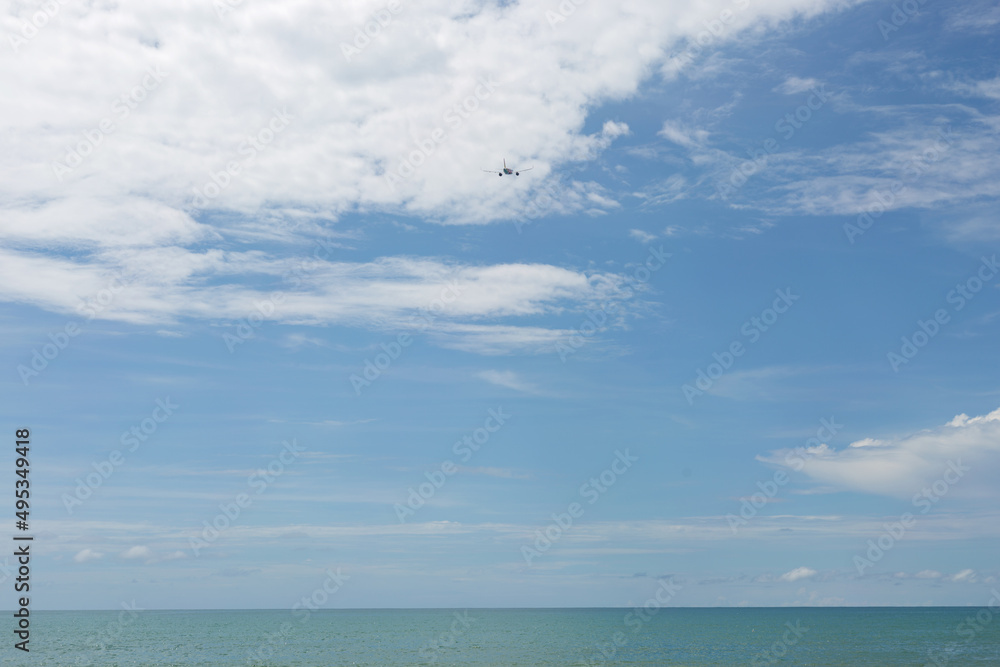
(958, 457)
(157, 141)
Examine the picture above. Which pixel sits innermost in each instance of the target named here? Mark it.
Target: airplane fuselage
(507, 170)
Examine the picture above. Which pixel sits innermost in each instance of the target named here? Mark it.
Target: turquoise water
(787, 636)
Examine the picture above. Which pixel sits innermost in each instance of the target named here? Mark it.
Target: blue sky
(288, 319)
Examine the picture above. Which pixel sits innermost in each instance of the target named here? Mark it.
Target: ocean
(934, 636)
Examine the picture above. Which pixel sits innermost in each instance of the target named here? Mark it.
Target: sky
(272, 323)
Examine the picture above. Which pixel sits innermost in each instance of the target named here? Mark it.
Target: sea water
(936, 636)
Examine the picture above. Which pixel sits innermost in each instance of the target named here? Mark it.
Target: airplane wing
(528, 169)
(491, 171)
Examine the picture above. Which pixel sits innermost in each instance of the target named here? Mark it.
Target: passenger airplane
(507, 170)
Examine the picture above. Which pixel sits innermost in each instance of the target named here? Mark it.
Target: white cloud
(85, 555)
(683, 136)
(137, 552)
(870, 442)
(508, 379)
(168, 98)
(641, 236)
(673, 188)
(974, 16)
(793, 85)
(989, 88)
(459, 303)
(798, 573)
(614, 129)
(965, 576)
(914, 166)
(681, 534)
(436, 66)
(498, 339)
(957, 457)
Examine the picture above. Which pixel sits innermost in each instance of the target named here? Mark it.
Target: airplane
(507, 170)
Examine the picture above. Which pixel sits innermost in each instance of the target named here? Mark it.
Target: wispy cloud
(797, 574)
(502, 473)
(641, 236)
(508, 379)
(794, 85)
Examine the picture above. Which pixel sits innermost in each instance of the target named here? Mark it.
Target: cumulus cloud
(85, 555)
(961, 453)
(151, 143)
(186, 93)
(142, 552)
